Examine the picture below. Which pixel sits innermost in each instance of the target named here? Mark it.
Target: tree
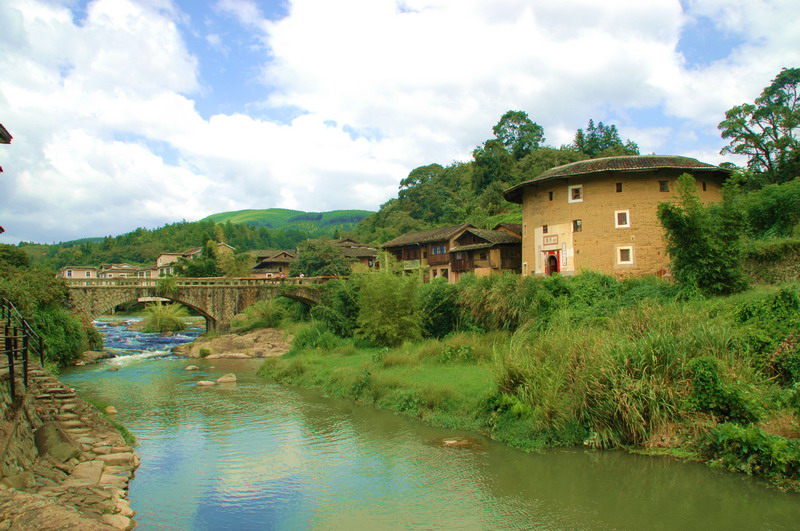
(603, 141)
(768, 131)
(492, 163)
(703, 242)
(320, 258)
(204, 265)
(518, 133)
(13, 256)
(235, 265)
(389, 308)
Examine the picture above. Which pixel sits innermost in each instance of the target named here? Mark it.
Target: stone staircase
(83, 464)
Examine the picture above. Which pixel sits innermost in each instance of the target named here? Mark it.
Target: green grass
(398, 379)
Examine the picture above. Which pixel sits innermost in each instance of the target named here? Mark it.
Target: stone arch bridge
(217, 299)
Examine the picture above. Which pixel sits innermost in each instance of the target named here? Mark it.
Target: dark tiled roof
(616, 164)
(426, 236)
(490, 237)
(5, 136)
(269, 253)
(359, 252)
(494, 236)
(516, 228)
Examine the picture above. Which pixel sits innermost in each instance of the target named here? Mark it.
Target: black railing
(19, 340)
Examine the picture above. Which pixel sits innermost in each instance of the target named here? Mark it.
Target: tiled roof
(491, 237)
(5, 136)
(616, 164)
(516, 228)
(495, 236)
(359, 252)
(426, 236)
(269, 253)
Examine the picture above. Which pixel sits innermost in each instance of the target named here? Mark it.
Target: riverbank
(63, 464)
(672, 378)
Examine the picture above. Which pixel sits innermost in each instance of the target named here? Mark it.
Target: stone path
(83, 464)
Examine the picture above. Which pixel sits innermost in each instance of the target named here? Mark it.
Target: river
(255, 455)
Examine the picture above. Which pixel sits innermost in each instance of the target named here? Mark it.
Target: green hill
(321, 223)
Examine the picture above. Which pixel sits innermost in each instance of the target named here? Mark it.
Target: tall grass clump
(267, 313)
(438, 301)
(314, 336)
(617, 381)
(164, 317)
(501, 302)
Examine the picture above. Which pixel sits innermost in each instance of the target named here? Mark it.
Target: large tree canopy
(768, 131)
(518, 133)
(320, 258)
(603, 141)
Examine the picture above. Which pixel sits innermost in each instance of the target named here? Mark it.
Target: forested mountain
(472, 192)
(244, 230)
(315, 223)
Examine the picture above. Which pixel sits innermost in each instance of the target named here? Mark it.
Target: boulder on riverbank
(260, 343)
(93, 356)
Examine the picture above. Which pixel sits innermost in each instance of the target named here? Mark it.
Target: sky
(138, 113)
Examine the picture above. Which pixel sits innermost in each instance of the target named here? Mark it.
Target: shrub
(439, 308)
(703, 242)
(65, 337)
(388, 308)
(774, 210)
(339, 306)
(748, 449)
(315, 336)
(710, 394)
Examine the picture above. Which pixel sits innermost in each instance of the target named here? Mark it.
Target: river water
(255, 455)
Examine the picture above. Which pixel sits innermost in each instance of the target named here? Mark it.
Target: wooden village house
(272, 263)
(454, 250)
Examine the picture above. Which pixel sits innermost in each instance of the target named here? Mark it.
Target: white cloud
(108, 136)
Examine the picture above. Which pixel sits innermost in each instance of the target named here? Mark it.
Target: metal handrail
(19, 339)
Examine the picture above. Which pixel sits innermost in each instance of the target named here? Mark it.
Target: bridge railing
(19, 340)
(128, 282)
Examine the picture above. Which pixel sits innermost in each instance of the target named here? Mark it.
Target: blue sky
(129, 113)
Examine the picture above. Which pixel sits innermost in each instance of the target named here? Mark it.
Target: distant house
(601, 214)
(118, 271)
(454, 250)
(164, 262)
(77, 272)
(272, 263)
(360, 252)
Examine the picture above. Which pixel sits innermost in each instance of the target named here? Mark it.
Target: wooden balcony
(463, 264)
(438, 259)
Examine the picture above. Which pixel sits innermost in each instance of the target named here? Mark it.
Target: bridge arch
(217, 299)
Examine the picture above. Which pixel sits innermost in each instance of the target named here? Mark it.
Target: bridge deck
(223, 282)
